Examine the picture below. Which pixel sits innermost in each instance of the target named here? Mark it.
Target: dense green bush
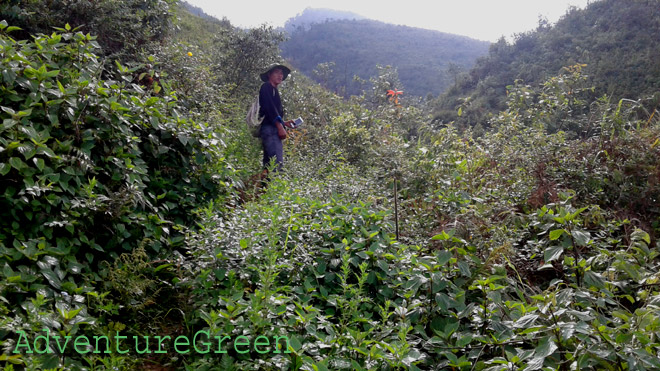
(497, 287)
(90, 169)
(123, 28)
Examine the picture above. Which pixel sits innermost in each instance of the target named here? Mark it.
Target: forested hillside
(135, 234)
(616, 40)
(196, 11)
(427, 61)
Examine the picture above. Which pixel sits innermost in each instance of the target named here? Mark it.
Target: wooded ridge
(427, 61)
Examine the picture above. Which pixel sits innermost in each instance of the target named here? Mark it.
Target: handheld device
(297, 122)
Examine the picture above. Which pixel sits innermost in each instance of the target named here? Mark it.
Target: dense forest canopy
(427, 61)
(135, 233)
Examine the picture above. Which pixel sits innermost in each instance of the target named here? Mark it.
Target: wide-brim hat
(285, 70)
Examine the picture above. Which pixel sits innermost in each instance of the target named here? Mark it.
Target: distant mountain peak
(309, 16)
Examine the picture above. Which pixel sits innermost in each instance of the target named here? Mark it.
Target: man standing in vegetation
(272, 131)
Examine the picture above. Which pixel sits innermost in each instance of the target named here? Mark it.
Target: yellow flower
(190, 54)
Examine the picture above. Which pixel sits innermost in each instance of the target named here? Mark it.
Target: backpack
(253, 118)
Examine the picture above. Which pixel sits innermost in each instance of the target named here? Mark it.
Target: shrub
(90, 168)
(124, 28)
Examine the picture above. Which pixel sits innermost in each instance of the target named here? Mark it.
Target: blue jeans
(272, 145)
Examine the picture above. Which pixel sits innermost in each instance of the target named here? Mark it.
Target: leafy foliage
(507, 258)
(90, 169)
(386, 244)
(122, 28)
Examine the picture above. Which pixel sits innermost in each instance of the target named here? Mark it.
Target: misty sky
(480, 19)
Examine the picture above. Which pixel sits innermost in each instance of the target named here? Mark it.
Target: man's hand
(281, 132)
(290, 124)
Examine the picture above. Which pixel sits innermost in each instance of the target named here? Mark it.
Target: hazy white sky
(480, 19)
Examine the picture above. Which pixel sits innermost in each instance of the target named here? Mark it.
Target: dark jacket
(271, 108)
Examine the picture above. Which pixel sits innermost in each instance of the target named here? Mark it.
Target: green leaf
(593, 279)
(151, 101)
(464, 340)
(25, 113)
(162, 266)
(555, 234)
(639, 234)
(39, 163)
(10, 77)
(16, 359)
(17, 163)
(320, 367)
(559, 219)
(581, 237)
(444, 301)
(650, 359)
(535, 363)
(443, 257)
(451, 327)
(52, 278)
(295, 343)
(46, 151)
(356, 366)
(553, 253)
(576, 213)
(4, 168)
(464, 268)
(413, 356)
(9, 123)
(52, 73)
(525, 321)
(545, 348)
(442, 236)
(8, 110)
